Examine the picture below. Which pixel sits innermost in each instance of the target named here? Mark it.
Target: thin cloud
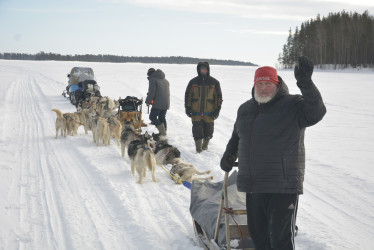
(258, 9)
(260, 32)
(46, 10)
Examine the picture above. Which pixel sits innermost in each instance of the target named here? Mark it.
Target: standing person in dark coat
(202, 101)
(268, 139)
(159, 97)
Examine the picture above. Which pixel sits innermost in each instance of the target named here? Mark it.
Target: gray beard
(263, 100)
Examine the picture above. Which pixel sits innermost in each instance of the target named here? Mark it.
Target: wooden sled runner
(236, 234)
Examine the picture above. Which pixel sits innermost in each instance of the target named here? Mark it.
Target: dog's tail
(202, 173)
(58, 113)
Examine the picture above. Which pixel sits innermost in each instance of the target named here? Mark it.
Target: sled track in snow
(39, 213)
(68, 202)
(60, 207)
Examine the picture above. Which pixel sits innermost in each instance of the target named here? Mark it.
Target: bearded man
(268, 140)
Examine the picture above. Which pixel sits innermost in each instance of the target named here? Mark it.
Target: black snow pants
(271, 220)
(202, 130)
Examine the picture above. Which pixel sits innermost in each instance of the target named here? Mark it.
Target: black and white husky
(142, 156)
(128, 134)
(166, 153)
(169, 154)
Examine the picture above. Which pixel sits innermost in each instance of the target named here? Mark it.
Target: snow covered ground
(70, 194)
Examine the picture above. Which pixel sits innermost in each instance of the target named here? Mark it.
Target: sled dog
(142, 156)
(102, 132)
(83, 118)
(128, 134)
(60, 123)
(158, 137)
(115, 128)
(86, 116)
(166, 153)
(106, 107)
(92, 124)
(72, 123)
(187, 172)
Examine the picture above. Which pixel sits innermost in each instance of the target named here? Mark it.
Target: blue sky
(242, 30)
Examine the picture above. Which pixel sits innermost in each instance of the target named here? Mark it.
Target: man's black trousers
(158, 116)
(271, 220)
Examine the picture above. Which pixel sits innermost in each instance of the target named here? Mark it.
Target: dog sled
(130, 110)
(81, 85)
(208, 203)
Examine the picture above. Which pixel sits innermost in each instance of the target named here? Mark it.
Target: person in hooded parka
(203, 99)
(159, 97)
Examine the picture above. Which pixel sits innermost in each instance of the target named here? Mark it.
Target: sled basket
(208, 203)
(130, 110)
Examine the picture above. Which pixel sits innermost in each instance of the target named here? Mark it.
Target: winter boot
(198, 143)
(161, 129)
(205, 144)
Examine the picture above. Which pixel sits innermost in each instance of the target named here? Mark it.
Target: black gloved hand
(216, 113)
(303, 71)
(188, 111)
(227, 162)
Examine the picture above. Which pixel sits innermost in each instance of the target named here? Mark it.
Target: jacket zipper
(250, 148)
(202, 97)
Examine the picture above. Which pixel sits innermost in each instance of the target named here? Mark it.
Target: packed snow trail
(64, 199)
(68, 193)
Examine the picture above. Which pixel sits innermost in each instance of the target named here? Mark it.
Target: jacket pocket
(195, 107)
(209, 106)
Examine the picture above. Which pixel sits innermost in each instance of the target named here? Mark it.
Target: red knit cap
(266, 73)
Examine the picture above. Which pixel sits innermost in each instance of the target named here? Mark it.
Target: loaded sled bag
(130, 103)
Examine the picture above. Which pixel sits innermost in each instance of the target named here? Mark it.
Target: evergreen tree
(341, 39)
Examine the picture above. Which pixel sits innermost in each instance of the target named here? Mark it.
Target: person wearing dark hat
(268, 140)
(202, 102)
(159, 97)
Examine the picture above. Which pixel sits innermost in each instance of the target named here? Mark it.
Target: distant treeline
(342, 39)
(42, 56)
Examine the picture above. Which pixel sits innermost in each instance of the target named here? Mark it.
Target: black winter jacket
(203, 94)
(158, 91)
(268, 139)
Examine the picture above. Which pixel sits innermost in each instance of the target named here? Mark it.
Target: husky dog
(86, 116)
(89, 104)
(116, 104)
(72, 123)
(92, 124)
(128, 134)
(60, 123)
(166, 153)
(102, 132)
(186, 172)
(159, 137)
(142, 156)
(115, 128)
(106, 107)
(83, 117)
